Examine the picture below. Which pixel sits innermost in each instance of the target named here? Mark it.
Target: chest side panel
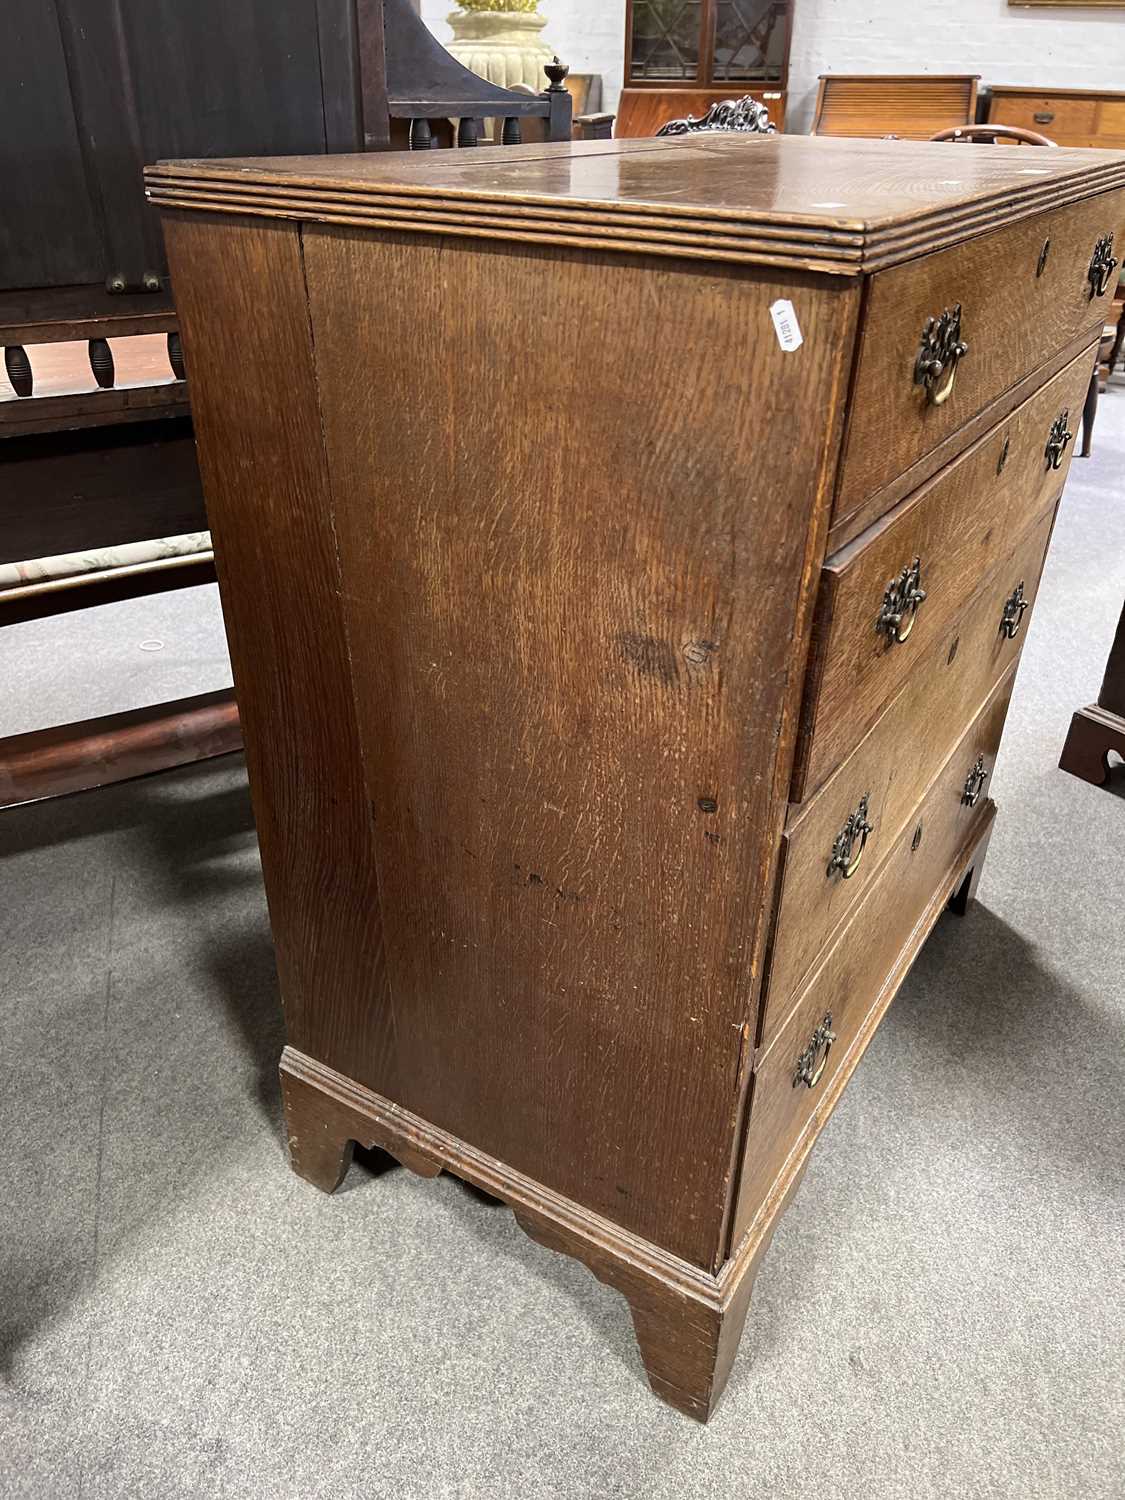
(575, 597)
(241, 303)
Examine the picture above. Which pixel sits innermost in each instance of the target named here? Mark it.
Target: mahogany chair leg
(688, 1347)
(1118, 343)
(1089, 412)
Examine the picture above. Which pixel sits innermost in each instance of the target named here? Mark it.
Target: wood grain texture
(870, 958)
(264, 475)
(891, 766)
(959, 526)
(571, 720)
(1012, 320)
(776, 197)
(911, 107)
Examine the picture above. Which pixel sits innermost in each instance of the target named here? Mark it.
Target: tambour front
(618, 728)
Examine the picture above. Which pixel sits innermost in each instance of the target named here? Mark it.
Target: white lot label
(785, 325)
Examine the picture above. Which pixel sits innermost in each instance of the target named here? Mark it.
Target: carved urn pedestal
(501, 45)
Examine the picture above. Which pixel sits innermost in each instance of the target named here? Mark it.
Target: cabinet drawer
(1062, 120)
(1014, 310)
(870, 955)
(942, 542)
(885, 776)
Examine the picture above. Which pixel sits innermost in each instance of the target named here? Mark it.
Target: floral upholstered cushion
(102, 559)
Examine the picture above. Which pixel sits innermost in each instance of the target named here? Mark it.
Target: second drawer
(887, 773)
(871, 627)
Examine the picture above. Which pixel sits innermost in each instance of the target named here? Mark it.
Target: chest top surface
(852, 204)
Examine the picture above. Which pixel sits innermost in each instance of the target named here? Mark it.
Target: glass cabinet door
(749, 40)
(666, 39)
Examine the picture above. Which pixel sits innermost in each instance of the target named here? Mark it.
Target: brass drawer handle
(1059, 440)
(974, 783)
(900, 603)
(941, 348)
(845, 855)
(1103, 263)
(1043, 116)
(1012, 618)
(814, 1059)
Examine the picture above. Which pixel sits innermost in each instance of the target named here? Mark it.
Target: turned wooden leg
(320, 1149)
(688, 1347)
(966, 892)
(1093, 733)
(1089, 412)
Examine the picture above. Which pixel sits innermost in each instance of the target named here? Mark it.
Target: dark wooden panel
(49, 230)
(263, 470)
(340, 74)
(62, 492)
(573, 710)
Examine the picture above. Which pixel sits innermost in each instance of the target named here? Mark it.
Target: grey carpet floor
(942, 1312)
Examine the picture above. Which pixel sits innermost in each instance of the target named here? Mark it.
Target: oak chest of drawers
(616, 736)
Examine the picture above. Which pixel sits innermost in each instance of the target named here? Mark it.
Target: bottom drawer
(870, 956)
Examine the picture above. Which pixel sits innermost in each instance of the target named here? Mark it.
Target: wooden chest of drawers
(616, 737)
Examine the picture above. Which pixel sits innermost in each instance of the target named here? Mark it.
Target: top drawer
(1012, 298)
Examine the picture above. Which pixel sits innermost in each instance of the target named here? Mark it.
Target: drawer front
(882, 782)
(790, 1084)
(1064, 121)
(1016, 311)
(872, 628)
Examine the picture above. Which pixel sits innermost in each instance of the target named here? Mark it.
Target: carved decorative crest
(1103, 263)
(744, 115)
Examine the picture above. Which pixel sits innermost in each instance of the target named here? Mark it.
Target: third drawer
(861, 970)
(880, 782)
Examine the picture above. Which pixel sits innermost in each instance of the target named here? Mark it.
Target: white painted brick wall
(1083, 49)
(1001, 42)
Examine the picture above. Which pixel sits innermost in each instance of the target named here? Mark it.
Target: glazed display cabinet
(682, 56)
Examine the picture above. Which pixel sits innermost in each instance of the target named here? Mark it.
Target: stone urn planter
(504, 46)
